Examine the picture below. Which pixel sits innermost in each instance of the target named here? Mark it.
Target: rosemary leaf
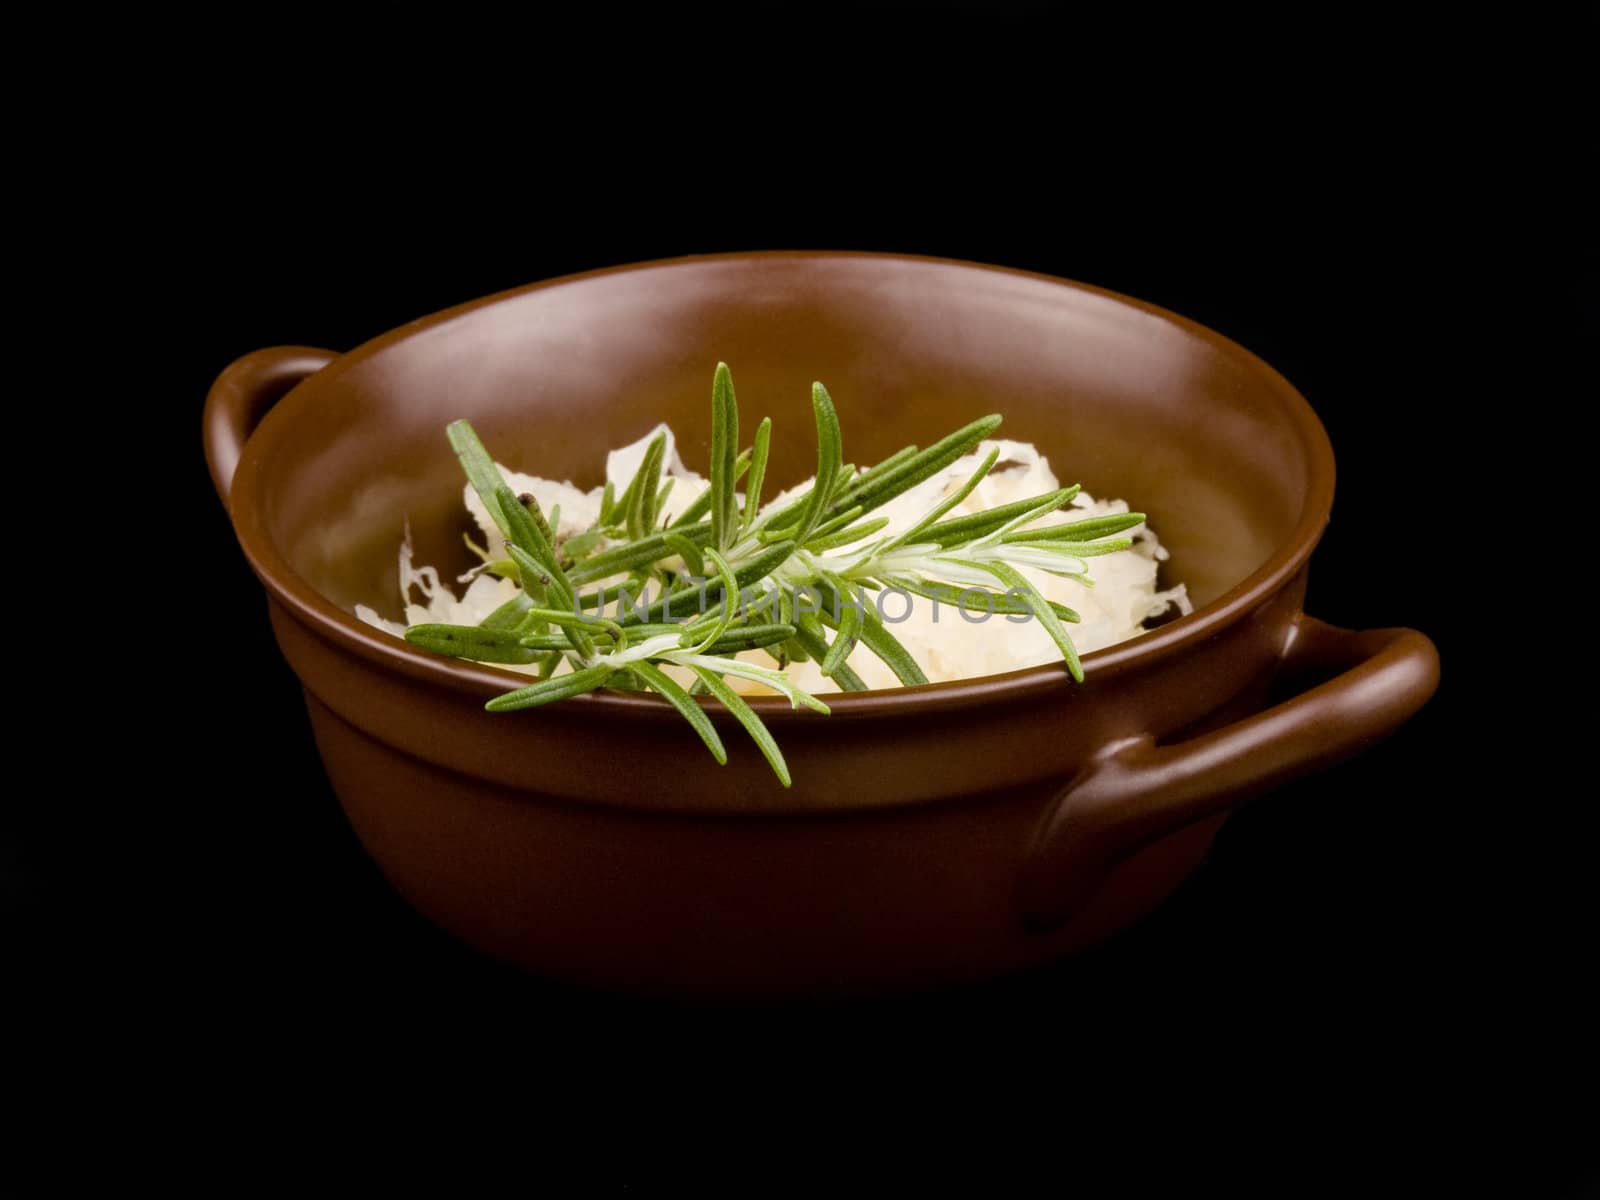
(832, 525)
(570, 620)
(670, 691)
(532, 624)
(480, 551)
(871, 493)
(758, 474)
(875, 636)
(944, 506)
(554, 585)
(701, 504)
(757, 568)
(751, 637)
(977, 525)
(697, 509)
(829, 460)
(879, 470)
(850, 619)
(739, 637)
(776, 680)
(581, 544)
(1078, 531)
(509, 615)
(534, 576)
(1018, 521)
(547, 691)
(526, 528)
(724, 449)
(730, 597)
(479, 467)
(1001, 603)
(683, 601)
(641, 553)
(813, 640)
(471, 641)
(1019, 583)
(745, 715)
(686, 550)
(642, 491)
(1072, 549)
(844, 537)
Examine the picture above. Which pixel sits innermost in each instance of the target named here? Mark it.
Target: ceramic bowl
(932, 834)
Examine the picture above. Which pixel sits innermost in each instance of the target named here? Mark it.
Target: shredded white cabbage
(947, 645)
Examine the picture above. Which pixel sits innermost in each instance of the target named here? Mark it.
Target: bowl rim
(349, 633)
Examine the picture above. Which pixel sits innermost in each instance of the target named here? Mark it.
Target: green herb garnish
(728, 575)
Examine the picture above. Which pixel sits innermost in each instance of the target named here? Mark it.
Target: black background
(1355, 933)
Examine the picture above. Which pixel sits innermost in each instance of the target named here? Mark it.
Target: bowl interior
(1125, 399)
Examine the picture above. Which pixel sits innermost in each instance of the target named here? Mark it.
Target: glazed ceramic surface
(932, 834)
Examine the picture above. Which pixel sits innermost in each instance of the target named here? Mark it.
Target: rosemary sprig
(723, 577)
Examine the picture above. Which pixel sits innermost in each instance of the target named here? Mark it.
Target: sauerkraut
(948, 644)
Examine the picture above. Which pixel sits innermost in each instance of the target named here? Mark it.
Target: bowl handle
(1135, 791)
(241, 396)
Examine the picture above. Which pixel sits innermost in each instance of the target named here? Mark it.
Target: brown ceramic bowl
(932, 834)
